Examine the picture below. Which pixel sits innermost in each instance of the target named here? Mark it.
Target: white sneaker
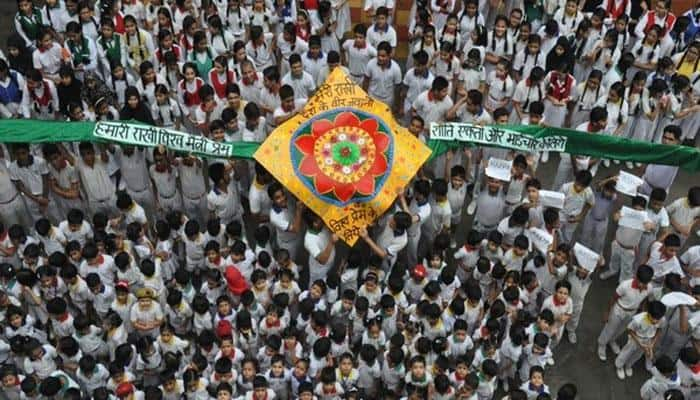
(607, 274)
(621, 374)
(628, 372)
(550, 361)
(629, 165)
(471, 207)
(637, 165)
(601, 354)
(616, 162)
(615, 348)
(545, 156)
(572, 337)
(606, 163)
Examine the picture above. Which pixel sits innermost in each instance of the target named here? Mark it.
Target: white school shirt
(376, 36)
(416, 84)
(282, 220)
(645, 53)
(29, 104)
(81, 235)
(280, 112)
(374, 4)
(681, 211)
(383, 81)
(358, 57)
(616, 112)
(567, 24)
(314, 65)
(501, 47)
(467, 24)
(221, 43)
(166, 114)
(286, 49)
(225, 205)
(472, 78)
(303, 86)
(525, 62)
(31, 176)
(431, 110)
(392, 243)
(261, 55)
(251, 91)
(662, 266)
(630, 298)
(527, 94)
(314, 243)
(574, 202)
(49, 61)
(56, 17)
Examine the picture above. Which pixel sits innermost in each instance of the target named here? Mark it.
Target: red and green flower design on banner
(343, 156)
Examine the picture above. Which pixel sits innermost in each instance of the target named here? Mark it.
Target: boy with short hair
(383, 77)
(578, 200)
(357, 53)
(643, 332)
(629, 295)
(301, 81)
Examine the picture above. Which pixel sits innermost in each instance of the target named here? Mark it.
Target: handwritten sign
(628, 183)
(549, 198)
(587, 258)
(541, 239)
(499, 169)
(633, 219)
(152, 136)
(495, 136)
(675, 299)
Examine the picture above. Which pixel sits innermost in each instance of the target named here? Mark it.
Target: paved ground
(574, 363)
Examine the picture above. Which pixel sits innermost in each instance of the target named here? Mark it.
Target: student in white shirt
(383, 76)
(381, 30)
(357, 53)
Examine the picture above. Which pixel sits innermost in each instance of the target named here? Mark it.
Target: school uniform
(315, 243)
(416, 85)
(134, 177)
(303, 86)
(358, 57)
(31, 177)
(40, 103)
(645, 331)
(383, 81)
(282, 219)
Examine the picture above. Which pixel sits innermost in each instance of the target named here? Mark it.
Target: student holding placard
(595, 226)
(584, 262)
(624, 246)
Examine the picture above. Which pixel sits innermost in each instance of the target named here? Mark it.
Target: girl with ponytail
(498, 44)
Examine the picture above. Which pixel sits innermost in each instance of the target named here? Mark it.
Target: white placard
(541, 239)
(582, 162)
(628, 183)
(587, 258)
(553, 199)
(499, 169)
(675, 299)
(633, 219)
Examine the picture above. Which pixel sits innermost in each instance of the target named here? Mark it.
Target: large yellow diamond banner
(344, 156)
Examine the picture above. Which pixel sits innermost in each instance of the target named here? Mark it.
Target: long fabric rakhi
(449, 135)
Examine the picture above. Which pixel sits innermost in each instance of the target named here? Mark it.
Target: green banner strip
(35, 131)
(594, 145)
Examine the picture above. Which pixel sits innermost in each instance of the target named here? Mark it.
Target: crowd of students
(138, 273)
